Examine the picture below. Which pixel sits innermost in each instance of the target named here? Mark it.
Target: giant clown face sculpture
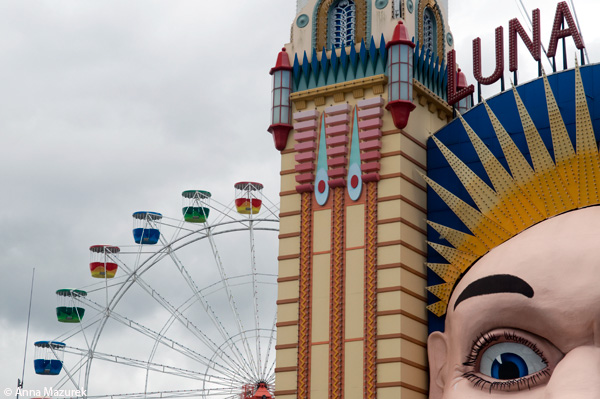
(525, 320)
(521, 290)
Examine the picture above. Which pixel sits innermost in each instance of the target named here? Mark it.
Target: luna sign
(563, 27)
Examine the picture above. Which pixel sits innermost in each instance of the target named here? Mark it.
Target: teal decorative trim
(428, 70)
(302, 20)
(380, 4)
(321, 178)
(354, 180)
(410, 6)
(369, 60)
(449, 39)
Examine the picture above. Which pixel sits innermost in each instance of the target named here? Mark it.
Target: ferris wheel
(187, 309)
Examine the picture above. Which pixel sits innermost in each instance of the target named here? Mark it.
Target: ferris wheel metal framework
(219, 339)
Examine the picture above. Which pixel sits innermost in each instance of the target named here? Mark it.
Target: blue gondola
(146, 227)
(48, 357)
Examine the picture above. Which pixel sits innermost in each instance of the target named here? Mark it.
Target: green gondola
(195, 206)
(66, 311)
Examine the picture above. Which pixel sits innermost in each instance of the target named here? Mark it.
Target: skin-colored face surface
(524, 321)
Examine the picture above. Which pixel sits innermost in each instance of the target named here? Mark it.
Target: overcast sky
(110, 106)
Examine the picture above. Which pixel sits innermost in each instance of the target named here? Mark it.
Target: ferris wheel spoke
(133, 277)
(270, 345)
(254, 292)
(157, 367)
(205, 305)
(231, 301)
(166, 394)
(205, 339)
(209, 363)
(159, 337)
(273, 209)
(76, 368)
(65, 369)
(75, 331)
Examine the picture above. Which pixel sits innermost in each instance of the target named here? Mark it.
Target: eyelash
(486, 340)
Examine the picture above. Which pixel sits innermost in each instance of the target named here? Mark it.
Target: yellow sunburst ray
(438, 308)
(587, 149)
(458, 259)
(521, 212)
(520, 169)
(556, 198)
(564, 153)
(484, 197)
(459, 240)
(446, 271)
(490, 233)
(442, 291)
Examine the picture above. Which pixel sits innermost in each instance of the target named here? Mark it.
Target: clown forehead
(548, 274)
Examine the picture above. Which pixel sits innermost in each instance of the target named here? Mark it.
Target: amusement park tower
(356, 93)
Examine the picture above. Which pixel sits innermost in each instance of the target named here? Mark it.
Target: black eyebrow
(498, 283)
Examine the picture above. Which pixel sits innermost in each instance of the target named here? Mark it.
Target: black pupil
(508, 371)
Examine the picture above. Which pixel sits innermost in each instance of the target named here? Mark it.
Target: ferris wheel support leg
(207, 308)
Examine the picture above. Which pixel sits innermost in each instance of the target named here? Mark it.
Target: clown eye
(509, 361)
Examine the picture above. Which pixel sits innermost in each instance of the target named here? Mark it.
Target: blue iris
(509, 367)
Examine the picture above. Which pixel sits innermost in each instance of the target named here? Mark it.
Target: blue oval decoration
(381, 4)
(302, 20)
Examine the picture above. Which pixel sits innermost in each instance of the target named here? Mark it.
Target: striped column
(337, 122)
(370, 114)
(337, 129)
(305, 125)
(370, 121)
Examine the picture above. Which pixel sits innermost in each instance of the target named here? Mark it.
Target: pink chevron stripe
(305, 178)
(304, 167)
(306, 125)
(337, 151)
(307, 146)
(338, 109)
(370, 103)
(370, 134)
(306, 157)
(337, 161)
(339, 182)
(337, 130)
(337, 140)
(370, 167)
(370, 177)
(306, 115)
(370, 113)
(306, 136)
(337, 119)
(370, 156)
(370, 124)
(370, 145)
(305, 188)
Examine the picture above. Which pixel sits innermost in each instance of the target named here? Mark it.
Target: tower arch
(322, 20)
(430, 27)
